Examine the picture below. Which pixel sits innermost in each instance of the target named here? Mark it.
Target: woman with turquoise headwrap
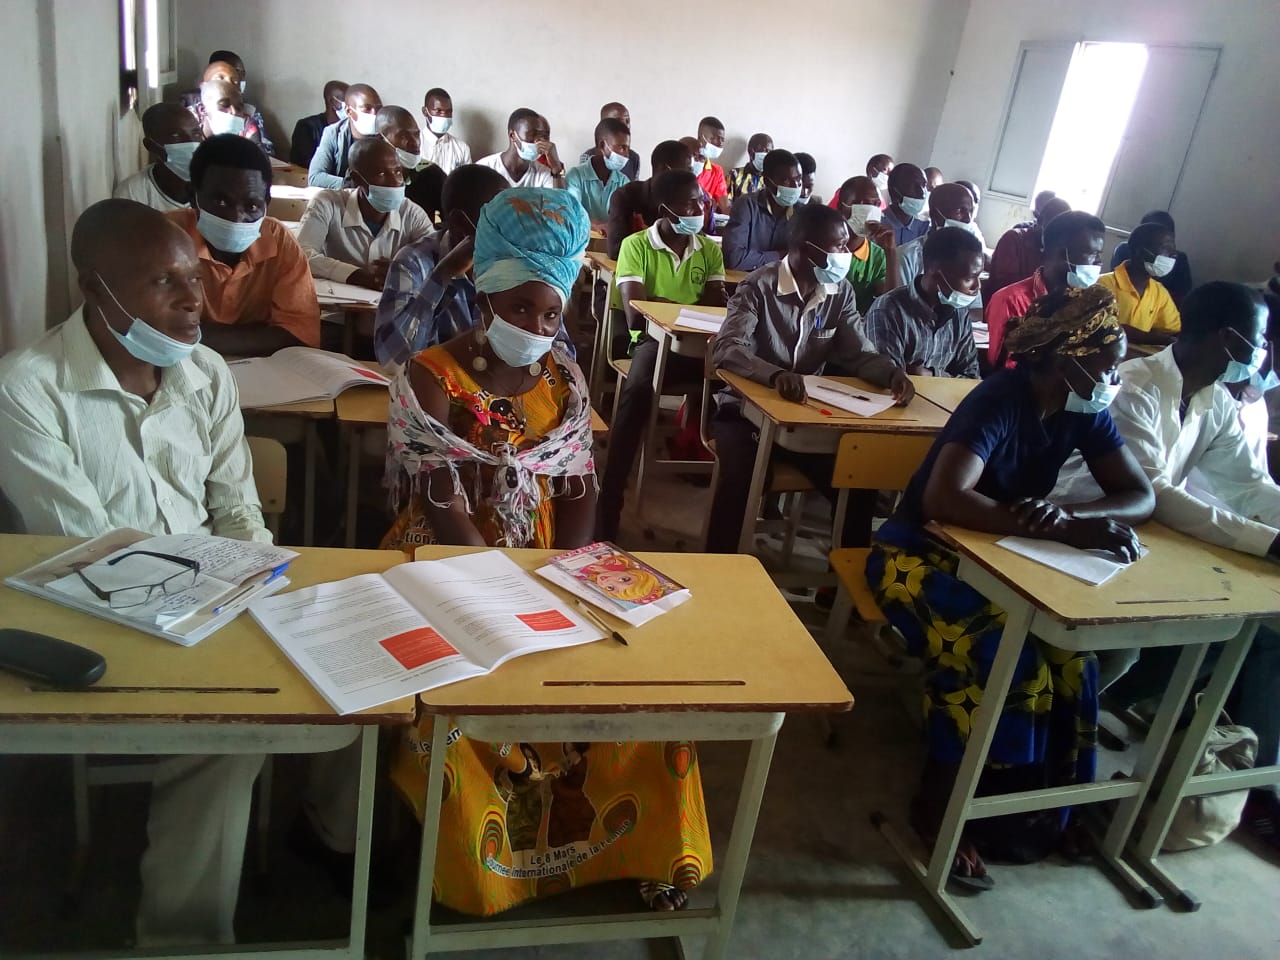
(490, 436)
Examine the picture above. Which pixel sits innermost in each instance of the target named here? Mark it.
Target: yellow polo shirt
(1154, 310)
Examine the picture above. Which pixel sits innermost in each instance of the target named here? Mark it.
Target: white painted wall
(1227, 201)
(837, 78)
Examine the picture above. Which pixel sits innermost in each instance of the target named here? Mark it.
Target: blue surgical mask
(615, 161)
(177, 157)
(914, 206)
(969, 228)
(384, 199)
(1237, 371)
(439, 125)
(515, 346)
(1104, 393)
(954, 298)
(696, 166)
(144, 342)
(220, 122)
(837, 266)
(225, 235)
(757, 159)
(685, 226)
(1264, 384)
(711, 151)
(1161, 266)
(526, 151)
(365, 123)
(1082, 274)
(787, 196)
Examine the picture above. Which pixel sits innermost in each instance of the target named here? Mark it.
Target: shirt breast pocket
(824, 334)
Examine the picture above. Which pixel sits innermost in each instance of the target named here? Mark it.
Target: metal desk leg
(353, 482)
(364, 841)
(599, 348)
(768, 430)
(310, 446)
(1184, 762)
(430, 836)
(648, 448)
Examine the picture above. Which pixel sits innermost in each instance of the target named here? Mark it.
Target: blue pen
(817, 321)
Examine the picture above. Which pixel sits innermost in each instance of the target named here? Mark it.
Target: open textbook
(856, 400)
(299, 373)
(332, 291)
(1094, 567)
(165, 595)
(377, 637)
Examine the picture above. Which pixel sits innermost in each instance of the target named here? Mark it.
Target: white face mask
(407, 160)
(439, 125)
(365, 123)
(527, 152)
(860, 214)
(969, 228)
(881, 180)
(711, 151)
(220, 122)
(1161, 266)
(515, 346)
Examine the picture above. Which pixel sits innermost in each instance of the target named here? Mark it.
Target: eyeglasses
(135, 596)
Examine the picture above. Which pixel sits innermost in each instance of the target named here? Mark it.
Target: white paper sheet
(330, 291)
(1090, 566)
(697, 320)
(862, 403)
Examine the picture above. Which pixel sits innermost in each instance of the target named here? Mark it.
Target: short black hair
(1063, 228)
(945, 245)
(1147, 236)
(1212, 306)
(465, 184)
(611, 127)
(808, 165)
(228, 150)
(901, 173)
(667, 154)
(877, 158)
(107, 224)
(1161, 217)
(776, 161)
(711, 122)
(440, 93)
(808, 221)
(669, 183)
(519, 115)
(226, 56)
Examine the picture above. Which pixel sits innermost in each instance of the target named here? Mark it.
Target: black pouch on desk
(49, 660)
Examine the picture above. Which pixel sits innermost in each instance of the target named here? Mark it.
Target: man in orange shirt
(258, 292)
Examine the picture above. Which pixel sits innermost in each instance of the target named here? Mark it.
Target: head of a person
(1071, 338)
(1052, 208)
(613, 140)
(397, 127)
(1151, 246)
(952, 263)
(973, 192)
(950, 202)
(335, 98)
(616, 111)
(691, 147)
(818, 242)
(166, 124)
(220, 70)
(362, 106)
(1225, 322)
(465, 192)
(220, 96)
(230, 180)
(906, 180)
(231, 58)
(1161, 217)
(858, 202)
(437, 110)
(782, 179)
(528, 251)
(134, 262)
(374, 165)
(933, 177)
(678, 197)
(758, 148)
(808, 175)
(1043, 197)
(525, 127)
(879, 167)
(1072, 249)
(710, 137)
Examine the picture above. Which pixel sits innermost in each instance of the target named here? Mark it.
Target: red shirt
(712, 180)
(1011, 301)
(1016, 257)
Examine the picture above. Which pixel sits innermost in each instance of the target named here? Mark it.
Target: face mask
(757, 159)
(384, 199)
(615, 161)
(786, 196)
(696, 166)
(365, 123)
(1103, 394)
(711, 151)
(1238, 372)
(685, 226)
(1264, 384)
(242, 86)
(439, 125)
(527, 151)
(881, 180)
(837, 267)
(1160, 266)
(225, 235)
(860, 214)
(220, 122)
(954, 298)
(914, 206)
(144, 342)
(407, 160)
(177, 157)
(1082, 274)
(514, 346)
(969, 228)
(804, 198)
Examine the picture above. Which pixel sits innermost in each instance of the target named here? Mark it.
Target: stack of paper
(295, 374)
(690, 319)
(330, 291)
(1093, 567)
(862, 403)
(981, 337)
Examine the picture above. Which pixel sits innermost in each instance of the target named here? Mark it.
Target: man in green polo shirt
(670, 261)
(875, 251)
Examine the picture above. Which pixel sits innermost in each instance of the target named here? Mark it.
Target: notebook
(617, 582)
(299, 373)
(1093, 567)
(859, 401)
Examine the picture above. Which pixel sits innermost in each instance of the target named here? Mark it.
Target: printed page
(360, 643)
(842, 396)
(489, 607)
(234, 561)
(263, 383)
(332, 372)
(134, 573)
(1094, 567)
(691, 319)
(330, 291)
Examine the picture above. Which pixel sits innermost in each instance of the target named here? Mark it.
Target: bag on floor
(1204, 821)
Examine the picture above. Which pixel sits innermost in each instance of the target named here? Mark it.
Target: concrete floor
(821, 883)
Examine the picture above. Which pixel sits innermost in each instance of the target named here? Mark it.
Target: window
(1107, 126)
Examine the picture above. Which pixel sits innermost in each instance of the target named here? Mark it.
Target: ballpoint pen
(600, 624)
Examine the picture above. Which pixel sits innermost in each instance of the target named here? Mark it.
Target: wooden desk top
(946, 392)
(239, 655)
(320, 409)
(602, 260)
(367, 406)
(351, 309)
(736, 627)
(289, 175)
(920, 416)
(664, 314)
(1180, 579)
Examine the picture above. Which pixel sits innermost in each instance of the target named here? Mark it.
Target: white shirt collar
(655, 240)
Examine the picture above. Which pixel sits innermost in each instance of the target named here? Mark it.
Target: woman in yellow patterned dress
(490, 437)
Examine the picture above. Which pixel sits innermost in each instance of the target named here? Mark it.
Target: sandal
(968, 870)
(662, 896)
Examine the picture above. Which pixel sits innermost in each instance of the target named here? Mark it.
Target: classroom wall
(1225, 205)
(837, 78)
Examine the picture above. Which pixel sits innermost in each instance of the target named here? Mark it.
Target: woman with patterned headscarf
(990, 469)
(490, 435)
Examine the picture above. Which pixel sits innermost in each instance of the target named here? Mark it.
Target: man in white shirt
(118, 417)
(530, 159)
(439, 145)
(351, 235)
(171, 134)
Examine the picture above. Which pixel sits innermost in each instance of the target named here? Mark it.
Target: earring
(535, 368)
(479, 364)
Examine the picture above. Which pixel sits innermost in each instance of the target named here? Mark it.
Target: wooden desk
(805, 428)
(354, 312)
(234, 692)
(945, 392)
(1183, 593)
(726, 665)
(601, 267)
(310, 412)
(288, 176)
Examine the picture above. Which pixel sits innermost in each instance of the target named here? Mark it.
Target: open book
(1094, 567)
(161, 595)
(299, 373)
(615, 581)
(331, 291)
(856, 400)
(377, 637)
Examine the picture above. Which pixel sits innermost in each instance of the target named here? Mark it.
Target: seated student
(990, 469)
(308, 131)
(494, 438)
(225, 65)
(351, 235)
(171, 135)
(1176, 413)
(788, 319)
(711, 177)
(328, 167)
(258, 292)
(617, 111)
(1178, 280)
(933, 178)
(222, 111)
(951, 205)
(530, 159)
(808, 177)
(442, 148)
(1019, 250)
(669, 262)
(924, 326)
(696, 164)
(756, 233)
(1146, 309)
(977, 202)
(879, 166)
(633, 208)
(875, 251)
(749, 177)
(423, 180)
(1072, 256)
(908, 199)
(594, 182)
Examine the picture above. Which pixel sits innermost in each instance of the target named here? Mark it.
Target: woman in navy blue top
(990, 469)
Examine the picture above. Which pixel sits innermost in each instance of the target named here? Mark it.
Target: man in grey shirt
(924, 325)
(329, 163)
(788, 319)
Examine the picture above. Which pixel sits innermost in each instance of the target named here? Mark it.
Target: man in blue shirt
(757, 230)
(594, 181)
(908, 198)
(329, 165)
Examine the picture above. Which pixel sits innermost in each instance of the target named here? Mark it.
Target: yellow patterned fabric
(527, 820)
(1077, 322)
